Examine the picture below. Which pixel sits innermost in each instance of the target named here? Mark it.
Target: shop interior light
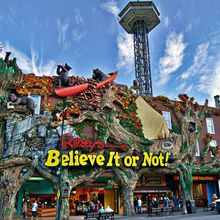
(36, 178)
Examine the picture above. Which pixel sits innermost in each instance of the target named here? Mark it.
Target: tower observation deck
(139, 18)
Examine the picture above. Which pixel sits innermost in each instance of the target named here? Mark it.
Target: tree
(190, 117)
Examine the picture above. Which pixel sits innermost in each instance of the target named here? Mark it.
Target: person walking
(139, 206)
(135, 205)
(99, 205)
(91, 206)
(176, 203)
(24, 210)
(214, 197)
(155, 203)
(148, 203)
(166, 202)
(34, 210)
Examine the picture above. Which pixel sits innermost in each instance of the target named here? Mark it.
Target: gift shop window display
(46, 205)
(44, 202)
(84, 200)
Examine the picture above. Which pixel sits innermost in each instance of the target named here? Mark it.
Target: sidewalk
(176, 215)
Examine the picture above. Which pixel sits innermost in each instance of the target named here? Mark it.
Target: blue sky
(184, 47)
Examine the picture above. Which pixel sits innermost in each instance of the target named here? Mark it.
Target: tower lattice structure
(139, 18)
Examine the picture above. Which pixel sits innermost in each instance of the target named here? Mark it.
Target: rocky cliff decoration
(109, 113)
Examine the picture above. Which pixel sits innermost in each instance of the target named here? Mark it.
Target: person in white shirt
(34, 210)
(108, 209)
(139, 206)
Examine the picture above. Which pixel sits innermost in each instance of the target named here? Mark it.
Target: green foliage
(5, 69)
(145, 143)
(184, 147)
(7, 211)
(204, 152)
(103, 133)
(75, 172)
(176, 129)
(61, 105)
(79, 128)
(129, 123)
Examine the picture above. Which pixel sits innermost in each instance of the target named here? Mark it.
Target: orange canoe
(73, 90)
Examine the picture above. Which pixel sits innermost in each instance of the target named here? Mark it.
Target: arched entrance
(103, 189)
(37, 188)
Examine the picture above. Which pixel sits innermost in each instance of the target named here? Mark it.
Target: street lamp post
(60, 177)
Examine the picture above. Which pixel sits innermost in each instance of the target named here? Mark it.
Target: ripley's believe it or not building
(66, 141)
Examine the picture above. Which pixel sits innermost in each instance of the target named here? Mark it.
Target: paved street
(198, 216)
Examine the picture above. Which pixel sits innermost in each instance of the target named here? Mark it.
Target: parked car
(217, 205)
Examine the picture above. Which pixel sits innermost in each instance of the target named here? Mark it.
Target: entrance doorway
(82, 196)
(37, 189)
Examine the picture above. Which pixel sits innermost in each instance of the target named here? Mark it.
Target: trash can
(191, 206)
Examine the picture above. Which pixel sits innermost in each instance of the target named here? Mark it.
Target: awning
(152, 189)
(42, 195)
(154, 124)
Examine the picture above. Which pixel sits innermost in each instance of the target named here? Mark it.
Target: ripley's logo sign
(68, 141)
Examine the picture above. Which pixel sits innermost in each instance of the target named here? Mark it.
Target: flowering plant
(38, 85)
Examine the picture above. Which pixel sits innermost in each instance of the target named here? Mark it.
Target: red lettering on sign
(68, 141)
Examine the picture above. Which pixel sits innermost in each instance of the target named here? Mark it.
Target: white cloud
(208, 74)
(62, 30)
(66, 45)
(111, 7)
(78, 18)
(77, 35)
(199, 60)
(124, 40)
(33, 64)
(189, 27)
(173, 58)
(209, 83)
(125, 51)
(188, 89)
(166, 21)
(181, 86)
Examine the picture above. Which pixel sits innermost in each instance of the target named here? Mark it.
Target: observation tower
(139, 18)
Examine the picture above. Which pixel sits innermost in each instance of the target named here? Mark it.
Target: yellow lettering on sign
(53, 158)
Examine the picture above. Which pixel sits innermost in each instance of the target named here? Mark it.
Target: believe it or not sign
(73, 157)
(199, 178)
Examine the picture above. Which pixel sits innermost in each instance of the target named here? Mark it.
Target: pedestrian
(139, 206)
(166, 202)
(155, 203)
(24, 210)
(34, 210)
(91, 206)
(148, 203)
(135, 205)
(99, 205)
(214, 197)
(206, 203)
(176, 203)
